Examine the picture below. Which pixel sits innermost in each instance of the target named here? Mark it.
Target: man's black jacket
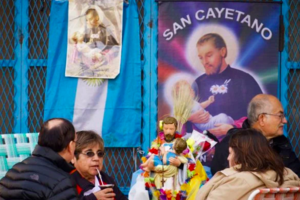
(280, 144)
(44, 175)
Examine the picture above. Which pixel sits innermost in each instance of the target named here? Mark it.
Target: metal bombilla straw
(101, 181)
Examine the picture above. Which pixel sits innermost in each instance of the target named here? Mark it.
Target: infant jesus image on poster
(94, 40)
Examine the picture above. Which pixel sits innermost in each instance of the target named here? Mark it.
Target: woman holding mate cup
(92, 183)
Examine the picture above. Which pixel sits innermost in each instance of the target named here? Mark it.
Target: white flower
(223, 89)
(214, 89)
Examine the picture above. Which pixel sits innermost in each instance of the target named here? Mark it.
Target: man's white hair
(258, 106)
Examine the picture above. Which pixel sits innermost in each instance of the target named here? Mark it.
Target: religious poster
(100, 105)
(94, 38)
(213, 58)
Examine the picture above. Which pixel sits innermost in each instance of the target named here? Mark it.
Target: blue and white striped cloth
(112, 109)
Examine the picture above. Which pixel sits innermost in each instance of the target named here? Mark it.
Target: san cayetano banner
(221, 54)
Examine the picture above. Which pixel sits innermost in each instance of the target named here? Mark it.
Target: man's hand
(199, 117)
(220, 129)
(175, 162)
(106, 194)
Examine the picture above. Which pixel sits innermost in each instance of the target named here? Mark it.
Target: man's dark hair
(217, 40)
(56, 134)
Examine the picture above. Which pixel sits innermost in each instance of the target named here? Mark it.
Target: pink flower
(161, 136)
(186, 151)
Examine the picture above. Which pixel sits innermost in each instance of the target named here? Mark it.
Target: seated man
(44, 175)
(265, 113)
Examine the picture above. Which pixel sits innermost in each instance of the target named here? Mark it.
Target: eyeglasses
(280, 115)
(91, 154)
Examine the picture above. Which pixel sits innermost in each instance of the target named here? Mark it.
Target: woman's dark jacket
(44, 175)
(84, 185)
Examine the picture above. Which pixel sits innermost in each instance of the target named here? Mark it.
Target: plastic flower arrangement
(199, 144)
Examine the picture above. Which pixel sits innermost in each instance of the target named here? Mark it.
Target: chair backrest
(15, 148)
(292, 193)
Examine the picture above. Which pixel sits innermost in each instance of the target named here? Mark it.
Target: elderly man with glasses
(266, 114)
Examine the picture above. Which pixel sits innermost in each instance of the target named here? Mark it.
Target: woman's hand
(199, 117)
(106, 194)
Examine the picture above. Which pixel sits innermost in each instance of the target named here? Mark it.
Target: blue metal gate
(23, 60)
(290, 72)
(24, 28)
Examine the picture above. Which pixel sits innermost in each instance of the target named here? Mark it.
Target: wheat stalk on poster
(183, 101)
